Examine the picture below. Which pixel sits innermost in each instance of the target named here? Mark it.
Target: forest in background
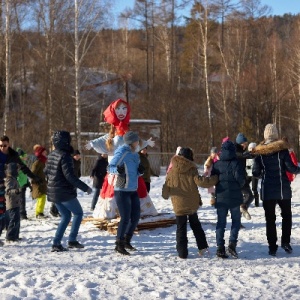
(231, 67)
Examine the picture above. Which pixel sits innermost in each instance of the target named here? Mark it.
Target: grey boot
(120, 247)
(127, 243)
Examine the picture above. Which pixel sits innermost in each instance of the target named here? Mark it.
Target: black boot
(127, 244)
(120, 247)
(256, 197)
(232, 250)
(221, 252)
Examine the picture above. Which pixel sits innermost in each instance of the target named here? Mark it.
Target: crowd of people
(121, 180)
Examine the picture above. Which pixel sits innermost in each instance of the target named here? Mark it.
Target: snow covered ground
(28, 270)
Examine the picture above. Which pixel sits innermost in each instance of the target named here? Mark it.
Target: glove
(89, 191)
(150, 142)
(88, 146)
(121, 169)
(141, 169)
(200, 202)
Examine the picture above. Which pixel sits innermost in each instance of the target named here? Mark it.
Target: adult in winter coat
(126, 163)
(39, 190)
(146, 164)
(271, 163)
(98, 173)
(77, 163)
(229, 197)
(13, 202)
(181, 185)
(242, 155)
(62, 189)
(9, 155)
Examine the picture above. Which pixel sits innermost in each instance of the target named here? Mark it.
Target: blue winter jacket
(231, 177)
(131, 161)
(270, 164)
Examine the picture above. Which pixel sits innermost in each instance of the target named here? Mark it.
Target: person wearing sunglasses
(7, 156)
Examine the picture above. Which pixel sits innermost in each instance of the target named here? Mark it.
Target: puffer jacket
(232, 177)
(270, 164)
(59, 170)
(131, 161)
(182, 183)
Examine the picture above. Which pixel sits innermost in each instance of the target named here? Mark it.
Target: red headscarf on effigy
(111, 117)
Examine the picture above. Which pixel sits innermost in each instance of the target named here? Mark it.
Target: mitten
(89, 191)
(200, 201)
(37, 180)
(141, 169)
(88, 146)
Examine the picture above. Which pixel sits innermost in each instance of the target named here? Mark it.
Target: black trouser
(270, 214)
(147, 186)
(181, 233)
(23, 212)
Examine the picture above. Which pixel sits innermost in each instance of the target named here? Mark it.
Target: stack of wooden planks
(146, 223)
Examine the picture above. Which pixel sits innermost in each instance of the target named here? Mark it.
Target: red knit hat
(39, 150)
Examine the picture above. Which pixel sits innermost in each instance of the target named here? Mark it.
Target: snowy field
(28, 270)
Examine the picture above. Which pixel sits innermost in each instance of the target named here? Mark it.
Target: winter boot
(221, 252)
(256, 197)
(245, 212)
(120, 247)
(273, 250)
(287, 247)
(127, 244)
(75, 244)
(232, 249)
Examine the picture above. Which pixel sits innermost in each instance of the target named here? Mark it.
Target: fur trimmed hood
(270, 148)
(182, 164)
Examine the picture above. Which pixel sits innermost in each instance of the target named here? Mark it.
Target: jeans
(270, 215)
(95, 198)
(66, 209)
(181, 233)
(222, 221)
(130, 210)
(13, 224)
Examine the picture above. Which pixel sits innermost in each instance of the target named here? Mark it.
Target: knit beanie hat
(271, 132)
(241, 139)
(130, 137)
(251, 146)
(39, 150)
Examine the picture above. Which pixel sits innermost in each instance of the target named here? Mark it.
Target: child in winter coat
(13, 199)
(229, 197)
(39, 190)
(213, 157)
(181, 185)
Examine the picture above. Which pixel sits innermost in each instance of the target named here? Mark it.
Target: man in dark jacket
(61, 189)
(271, 164)
(242, 155)
(229, 197)
(77, 163)
(9, 155)
(98, 173)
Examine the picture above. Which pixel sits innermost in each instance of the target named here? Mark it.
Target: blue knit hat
(240, 139)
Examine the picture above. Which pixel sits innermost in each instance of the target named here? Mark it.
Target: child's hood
(181, 164)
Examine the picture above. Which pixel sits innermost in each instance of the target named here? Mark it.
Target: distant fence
(157, 160)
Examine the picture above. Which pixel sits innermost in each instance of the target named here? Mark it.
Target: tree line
(229, 67)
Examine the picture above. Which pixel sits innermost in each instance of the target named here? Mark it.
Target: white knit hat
(251, 146)
(271, 132)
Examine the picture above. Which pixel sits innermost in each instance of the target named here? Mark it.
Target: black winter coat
(270, 164)
(77, 167)
(59, 170)
(99, 171)
(231, 179)
(13, 157)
